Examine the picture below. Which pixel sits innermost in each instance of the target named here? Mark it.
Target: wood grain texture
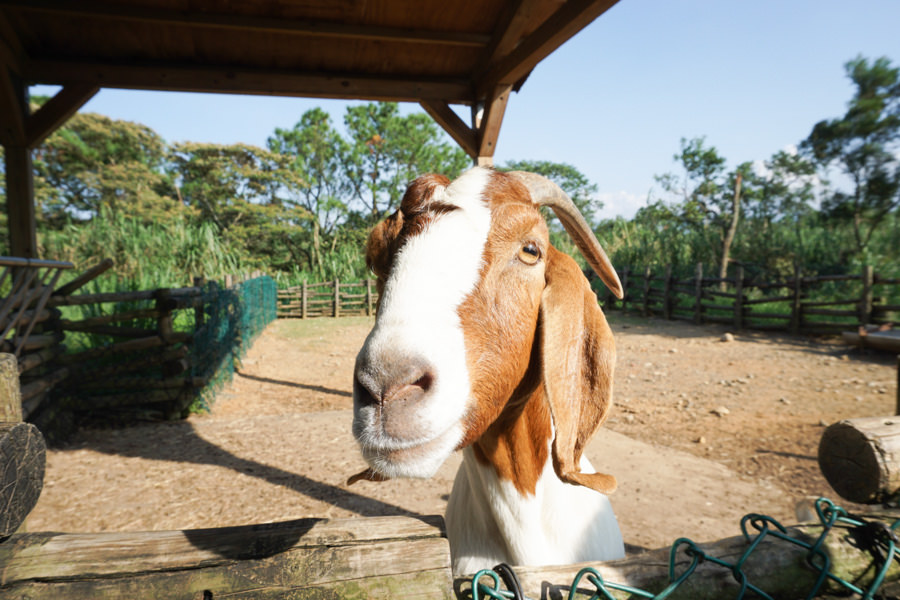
(307, 558)
(22, 460)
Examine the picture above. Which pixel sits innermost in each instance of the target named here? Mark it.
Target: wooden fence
(823, 304)
(139, 353)
(328, 299)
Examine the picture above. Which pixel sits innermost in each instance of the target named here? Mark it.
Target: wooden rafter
(228, 80)
(307, 27)
(573, 16)
(57, 111)
(453, 124)
(11, 52)
(489, 128)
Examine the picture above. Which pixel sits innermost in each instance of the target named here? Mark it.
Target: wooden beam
(20, 202)
(571, 18)
(240, 80)
(489, 129)
(57, 111)
(461, 133)
(11, 52)
(509, 30)
(12, 109)
(120, 12)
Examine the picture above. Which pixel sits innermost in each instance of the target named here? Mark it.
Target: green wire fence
(875, 536)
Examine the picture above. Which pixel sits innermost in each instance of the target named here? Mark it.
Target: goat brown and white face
(461, 272)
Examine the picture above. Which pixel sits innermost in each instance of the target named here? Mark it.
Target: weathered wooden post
(22, 453)
(739, 298)
(667, 292)
(865, 301)
(304, 295)
(337, 298)
(698, 294)
(796, 305)
(645, 310)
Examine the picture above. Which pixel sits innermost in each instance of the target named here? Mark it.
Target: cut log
(860, 458)
(22, 461)
(378, 557)
(775, 566)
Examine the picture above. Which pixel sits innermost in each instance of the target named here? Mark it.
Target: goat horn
(546, 193)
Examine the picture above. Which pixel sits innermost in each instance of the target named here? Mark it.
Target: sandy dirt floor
(703, 431)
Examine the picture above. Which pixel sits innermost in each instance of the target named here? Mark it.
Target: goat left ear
(578, 356)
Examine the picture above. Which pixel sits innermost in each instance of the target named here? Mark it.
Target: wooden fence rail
(327, 299)
(797, 305)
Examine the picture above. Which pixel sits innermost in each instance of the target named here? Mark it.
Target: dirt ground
(703, 431)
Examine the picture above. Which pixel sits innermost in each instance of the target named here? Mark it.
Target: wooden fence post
(368, 297)
(796, 304)
(698, 294)
(865, 301)
(646, 308)
(625, 288)
(304, 295)
(667, 292)
(739, 298)
(337, 298)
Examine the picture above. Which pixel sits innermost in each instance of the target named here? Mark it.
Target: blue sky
(753, 76)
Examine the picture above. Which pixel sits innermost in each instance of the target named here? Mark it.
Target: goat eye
(530, 253)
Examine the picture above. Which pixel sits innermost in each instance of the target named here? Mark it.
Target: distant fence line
(796, 305)
(328, 299)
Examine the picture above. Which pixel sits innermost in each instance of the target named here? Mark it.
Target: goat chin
(418, 459)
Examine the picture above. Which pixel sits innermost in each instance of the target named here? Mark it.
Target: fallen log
(378, 557)
(860, 458)
(777, 567)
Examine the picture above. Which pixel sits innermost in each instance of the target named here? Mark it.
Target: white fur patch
(432, 274)
(489, 521)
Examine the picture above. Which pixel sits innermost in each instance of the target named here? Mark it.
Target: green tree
(707, 198)
(244, 190)
(863, 145)
(318, 156)
(94, 161)
(389, 150)
(572, 181)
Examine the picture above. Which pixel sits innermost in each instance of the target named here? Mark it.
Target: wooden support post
(304, 300)
(337, 298)
(739, 298)
(20, 202)
(865, 301)
(22, 453)
(860, 458)
(646, 308)
(796, 304)
(698, 294)
(667, 293)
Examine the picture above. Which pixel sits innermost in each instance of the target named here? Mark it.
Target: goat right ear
(578, 355)
(380, 246)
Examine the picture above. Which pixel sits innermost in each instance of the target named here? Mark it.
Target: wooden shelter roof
(435, 52)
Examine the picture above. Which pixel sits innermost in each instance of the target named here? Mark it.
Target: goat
(490, 340)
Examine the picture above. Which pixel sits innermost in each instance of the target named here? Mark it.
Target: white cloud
(620, 204)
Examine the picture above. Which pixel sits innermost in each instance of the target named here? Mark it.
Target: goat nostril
(362, 394)
(425, 381)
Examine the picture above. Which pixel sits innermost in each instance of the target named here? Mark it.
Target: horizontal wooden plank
(356, 558)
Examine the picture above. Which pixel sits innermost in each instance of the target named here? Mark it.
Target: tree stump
(860, 458)
(23, 454)
(22, 458)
